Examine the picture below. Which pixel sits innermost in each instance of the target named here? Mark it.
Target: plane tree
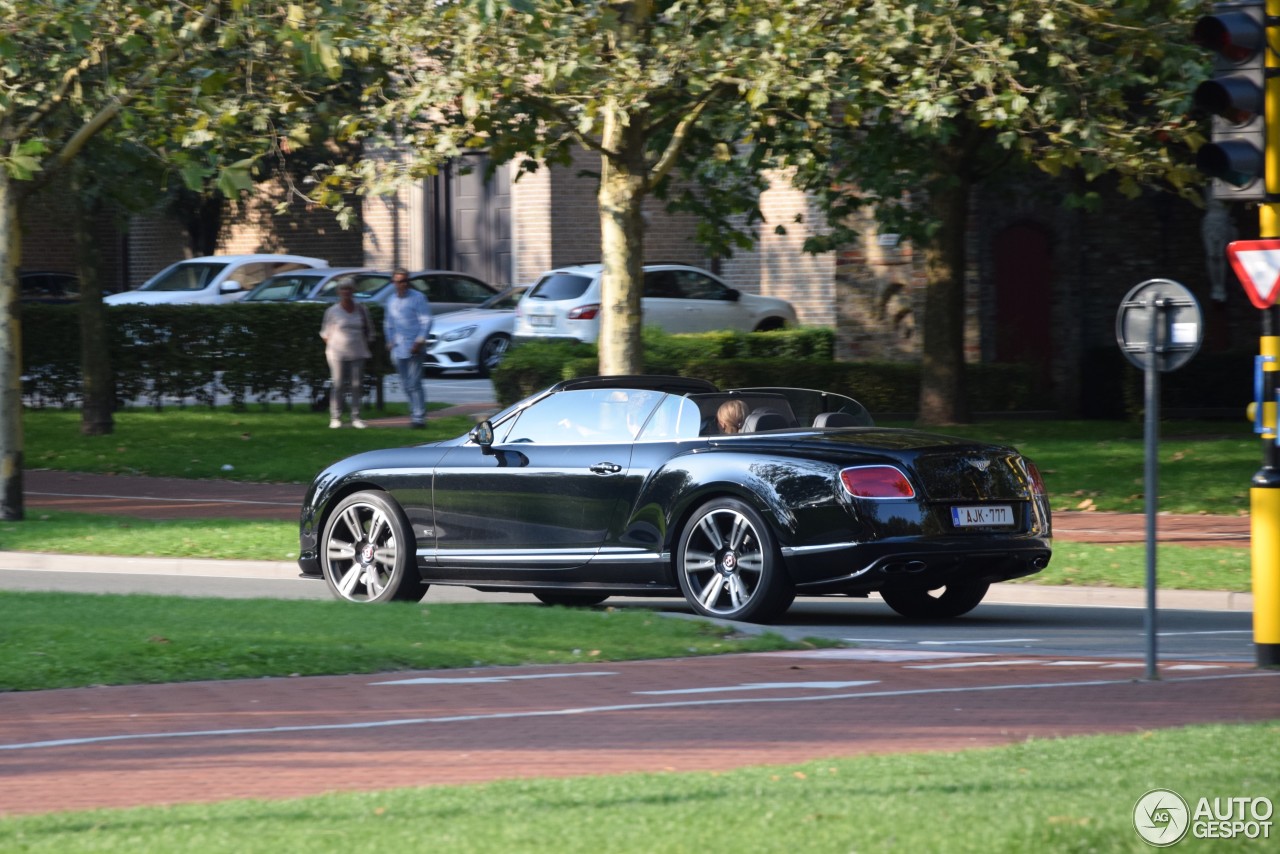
(72, 71)
(658, 89)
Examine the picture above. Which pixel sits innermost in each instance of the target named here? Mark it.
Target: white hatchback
(565, 303)
(211, 280)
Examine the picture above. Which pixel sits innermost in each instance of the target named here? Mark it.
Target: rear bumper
(864, 568)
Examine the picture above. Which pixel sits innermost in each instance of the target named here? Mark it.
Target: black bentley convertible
(609, 486)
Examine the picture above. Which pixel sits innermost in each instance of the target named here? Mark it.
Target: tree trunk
(11, 461)
(623, 185)
(98, 405)
(943, 398)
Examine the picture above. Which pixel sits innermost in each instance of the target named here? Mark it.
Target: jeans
(410, 371)
(347, 377)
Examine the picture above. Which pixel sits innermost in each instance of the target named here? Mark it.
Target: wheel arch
(778, 523)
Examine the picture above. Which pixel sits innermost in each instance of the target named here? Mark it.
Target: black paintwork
(605, 517)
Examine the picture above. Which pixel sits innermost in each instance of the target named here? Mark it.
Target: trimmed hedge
(250, 352)
(798, 358)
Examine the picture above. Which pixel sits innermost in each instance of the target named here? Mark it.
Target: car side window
(435, 288)
(584, 416)
(698, 286)
(660, 284)
(469, 290)
(676, 418)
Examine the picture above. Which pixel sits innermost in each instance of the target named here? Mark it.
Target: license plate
(541, 320)
(986, 516)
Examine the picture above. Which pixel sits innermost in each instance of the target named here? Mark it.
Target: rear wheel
(729, 566)
(570, 600)
(367, 553)
(941, 604)
(491, 353)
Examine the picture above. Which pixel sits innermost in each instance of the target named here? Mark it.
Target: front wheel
(729, 566)
(953, 600)
(367, 552)
(491, 353)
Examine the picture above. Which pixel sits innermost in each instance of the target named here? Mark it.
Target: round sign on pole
(1159, 325)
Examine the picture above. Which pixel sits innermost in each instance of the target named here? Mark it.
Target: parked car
(610, 486)
(446, 290)
(48, 287)
(212, 279)
(309, 283)
(565, 303)
(474, 339)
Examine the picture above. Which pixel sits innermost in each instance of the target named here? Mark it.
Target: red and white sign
(1257, 265)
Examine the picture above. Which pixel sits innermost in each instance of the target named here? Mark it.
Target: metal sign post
(1158, 328)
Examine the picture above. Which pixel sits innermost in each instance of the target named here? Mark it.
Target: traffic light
(1236, 98)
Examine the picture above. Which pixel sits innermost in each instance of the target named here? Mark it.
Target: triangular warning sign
(1257, 265)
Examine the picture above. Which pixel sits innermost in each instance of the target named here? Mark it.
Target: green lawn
(1060, 795)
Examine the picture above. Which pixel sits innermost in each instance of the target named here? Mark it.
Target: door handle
(606, 468)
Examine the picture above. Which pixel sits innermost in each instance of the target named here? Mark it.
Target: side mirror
(733, 294)
(231, 286)
(482, 435)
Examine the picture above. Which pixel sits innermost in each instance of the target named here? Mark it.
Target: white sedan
(213, 279)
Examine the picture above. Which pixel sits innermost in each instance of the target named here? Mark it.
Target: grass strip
(1060, 795)
(56, 640)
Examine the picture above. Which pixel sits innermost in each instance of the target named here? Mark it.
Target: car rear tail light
(876, 482)
(584, 312)
(1037, 482)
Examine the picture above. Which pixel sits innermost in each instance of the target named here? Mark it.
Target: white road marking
(592, 710)
(1219, 632)
(971, 642)
(999, 662)
(761, 686)
(469, 680)
(874, 654)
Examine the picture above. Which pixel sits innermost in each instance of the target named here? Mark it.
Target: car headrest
(764, 419)
(835, 419)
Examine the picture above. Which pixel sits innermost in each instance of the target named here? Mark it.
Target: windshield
(185, 276)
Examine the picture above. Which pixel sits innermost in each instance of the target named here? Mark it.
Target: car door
(708, 303)
(540, 502)
(664, 305)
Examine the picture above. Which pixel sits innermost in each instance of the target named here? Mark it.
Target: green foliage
(252, 352)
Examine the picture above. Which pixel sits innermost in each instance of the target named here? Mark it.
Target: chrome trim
(787, 551)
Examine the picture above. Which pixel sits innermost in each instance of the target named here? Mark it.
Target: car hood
(158, 298)
(454, 319)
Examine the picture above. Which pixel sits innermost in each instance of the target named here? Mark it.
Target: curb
(1005, 594)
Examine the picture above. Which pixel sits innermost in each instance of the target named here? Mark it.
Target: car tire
(729, 566)
(944, 603)
(570, 600)
(491, 353)
(367, 551)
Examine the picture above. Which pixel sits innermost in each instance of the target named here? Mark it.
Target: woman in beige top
(346, 331)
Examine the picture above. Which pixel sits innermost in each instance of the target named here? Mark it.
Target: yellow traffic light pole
(1264, 493)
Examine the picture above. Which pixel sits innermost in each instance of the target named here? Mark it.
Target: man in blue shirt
(406, 322)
